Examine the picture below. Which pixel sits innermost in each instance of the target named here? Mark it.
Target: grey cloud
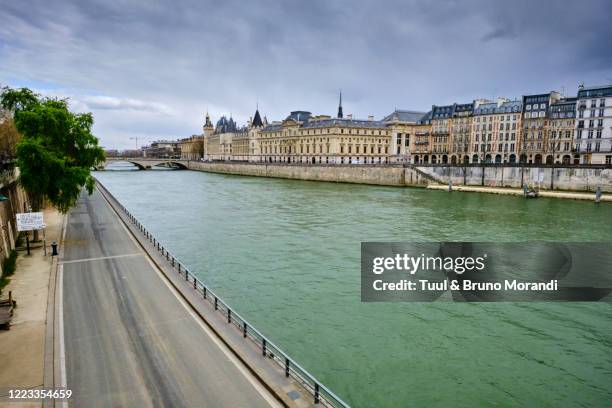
(162, 64)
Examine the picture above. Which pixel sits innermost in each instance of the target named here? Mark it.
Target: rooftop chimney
(370, 118)
(349, 116)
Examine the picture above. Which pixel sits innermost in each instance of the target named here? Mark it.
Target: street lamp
(136, 139)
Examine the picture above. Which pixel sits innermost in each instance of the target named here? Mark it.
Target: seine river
(286, 255)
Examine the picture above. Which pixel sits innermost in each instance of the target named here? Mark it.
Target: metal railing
(321, 394)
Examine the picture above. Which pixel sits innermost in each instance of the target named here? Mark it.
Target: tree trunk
(36, 203)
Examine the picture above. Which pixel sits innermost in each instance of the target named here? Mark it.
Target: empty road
(128, 339)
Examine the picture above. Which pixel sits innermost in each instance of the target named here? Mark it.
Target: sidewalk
(22, 347)
(572, 195)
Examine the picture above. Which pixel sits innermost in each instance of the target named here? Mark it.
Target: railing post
(186, 275)
(244, 330)
(195, 284)
(316, 394)
(229, 315)
(179, 265)
(204, 292)
(263, 347)
(172, 261)
(216, 303)
(286, 366)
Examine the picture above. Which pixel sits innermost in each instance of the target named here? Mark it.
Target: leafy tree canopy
(57, 149)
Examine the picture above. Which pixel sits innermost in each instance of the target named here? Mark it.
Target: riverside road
(128, 339)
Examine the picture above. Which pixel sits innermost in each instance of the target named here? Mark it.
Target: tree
(57, 149)
(9, 136)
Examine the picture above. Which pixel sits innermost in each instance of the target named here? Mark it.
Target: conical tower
(340, 115)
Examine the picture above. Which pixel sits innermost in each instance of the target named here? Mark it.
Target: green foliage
(8, 268)
(57, 149)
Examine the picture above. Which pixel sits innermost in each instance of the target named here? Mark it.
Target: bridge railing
(320, 393)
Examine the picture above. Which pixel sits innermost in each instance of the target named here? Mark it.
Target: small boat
(530, 191)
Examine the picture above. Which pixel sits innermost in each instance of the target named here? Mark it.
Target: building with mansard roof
(593, 132)
(304, 138)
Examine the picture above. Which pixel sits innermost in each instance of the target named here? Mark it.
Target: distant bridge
(144, 163)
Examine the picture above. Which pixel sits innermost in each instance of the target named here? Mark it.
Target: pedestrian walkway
(22, 347)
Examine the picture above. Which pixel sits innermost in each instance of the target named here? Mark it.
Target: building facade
(534, 138)
(162, 149)
(495, 131)
(561, 131)
(403, 125)
(593, 133)
(460, 133)
(192, 148)
(441, 126)
(304, 138)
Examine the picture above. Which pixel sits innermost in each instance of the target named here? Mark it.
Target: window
(598, 133)
(591, 123)
(597, 146)
(579, 134)
(601, 112)
(528, 107)
(602, 103)
(599, 122)
(590, 134)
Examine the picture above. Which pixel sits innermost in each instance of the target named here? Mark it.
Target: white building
(593, 135)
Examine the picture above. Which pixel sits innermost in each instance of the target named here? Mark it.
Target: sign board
(30, 221)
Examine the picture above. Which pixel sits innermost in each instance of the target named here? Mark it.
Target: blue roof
(404, 116)
(492, 108)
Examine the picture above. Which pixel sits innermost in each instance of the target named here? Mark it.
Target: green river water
(286, 255)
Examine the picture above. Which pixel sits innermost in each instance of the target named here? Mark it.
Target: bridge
(145, 163)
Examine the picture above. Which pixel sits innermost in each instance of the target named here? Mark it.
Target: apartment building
(593, 133)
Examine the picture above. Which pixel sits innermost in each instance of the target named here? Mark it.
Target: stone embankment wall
(549, 178)
(362, 174)
(566, 178)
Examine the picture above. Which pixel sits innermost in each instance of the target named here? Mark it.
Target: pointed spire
(257, 122)
(340, 115)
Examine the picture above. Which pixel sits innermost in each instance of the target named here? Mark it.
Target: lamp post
(552, 170)
(135, 139)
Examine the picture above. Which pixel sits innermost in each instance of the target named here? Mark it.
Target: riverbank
(577, 183)
(22, 348)
(519, 192)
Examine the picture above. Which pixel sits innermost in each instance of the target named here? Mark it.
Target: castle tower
(208, 127)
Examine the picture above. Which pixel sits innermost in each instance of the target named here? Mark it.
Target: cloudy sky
(150, 69)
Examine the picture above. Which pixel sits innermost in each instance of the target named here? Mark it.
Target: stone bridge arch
(145, 163)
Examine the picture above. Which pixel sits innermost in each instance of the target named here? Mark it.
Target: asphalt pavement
(128, 339)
